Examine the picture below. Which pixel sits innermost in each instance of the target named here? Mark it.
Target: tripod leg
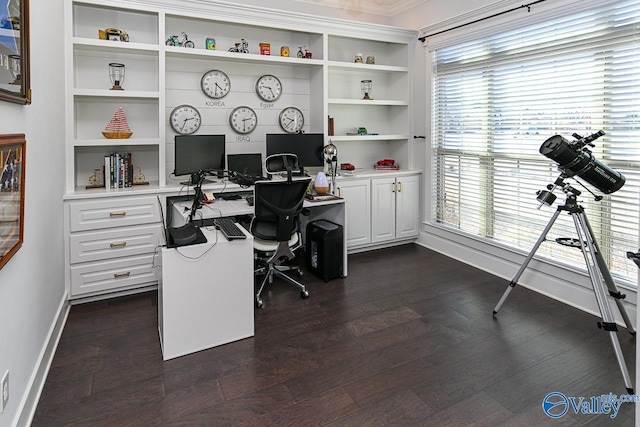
(606, 275)
(526, 262)
(608, 322)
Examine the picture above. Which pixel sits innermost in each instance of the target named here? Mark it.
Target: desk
(202, 302)
(330, 210)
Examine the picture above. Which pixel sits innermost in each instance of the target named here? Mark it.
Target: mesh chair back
(277, 205)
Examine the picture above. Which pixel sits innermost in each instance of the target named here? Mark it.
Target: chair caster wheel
(259, 303)
(300, 273)
(304, 294)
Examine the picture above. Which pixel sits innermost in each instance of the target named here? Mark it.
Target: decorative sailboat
(118, 128)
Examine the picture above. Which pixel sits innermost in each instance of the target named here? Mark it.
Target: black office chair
(275, 225)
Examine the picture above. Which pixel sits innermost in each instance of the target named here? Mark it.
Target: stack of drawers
(111, 244)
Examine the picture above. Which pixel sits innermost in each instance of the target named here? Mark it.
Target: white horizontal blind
(497, 99)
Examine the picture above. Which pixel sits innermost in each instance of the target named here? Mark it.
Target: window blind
(498, 98)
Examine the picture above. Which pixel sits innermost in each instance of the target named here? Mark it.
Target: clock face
(243, 119)
(269, 88)
(185, 119)
(291, 120)
(215, 84)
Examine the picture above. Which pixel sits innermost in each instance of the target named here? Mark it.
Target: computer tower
(324, 249)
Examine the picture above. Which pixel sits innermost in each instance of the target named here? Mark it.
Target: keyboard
(229, 228)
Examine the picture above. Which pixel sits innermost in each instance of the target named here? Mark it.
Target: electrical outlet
(4, 387)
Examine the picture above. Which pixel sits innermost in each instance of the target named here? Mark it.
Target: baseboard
(383, 245)
(30, 400)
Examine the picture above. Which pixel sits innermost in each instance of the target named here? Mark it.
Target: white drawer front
(99, 214)
(113, 275)
(109, 244)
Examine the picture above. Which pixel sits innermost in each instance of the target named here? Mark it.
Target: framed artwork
(12, 176)
(14, 51)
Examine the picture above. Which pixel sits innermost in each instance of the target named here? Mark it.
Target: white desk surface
(327, 208)
(220, 208)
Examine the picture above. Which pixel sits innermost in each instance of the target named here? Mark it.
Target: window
(498, 98)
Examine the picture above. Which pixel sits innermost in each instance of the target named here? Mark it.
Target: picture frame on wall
(14, 52)
(12, 180)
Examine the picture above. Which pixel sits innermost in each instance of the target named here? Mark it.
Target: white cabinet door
(407, 206)
(357, 195)
(383, 209)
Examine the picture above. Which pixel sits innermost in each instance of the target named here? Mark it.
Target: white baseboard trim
(29, 402)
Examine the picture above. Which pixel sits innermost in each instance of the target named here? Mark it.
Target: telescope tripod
(598, 272)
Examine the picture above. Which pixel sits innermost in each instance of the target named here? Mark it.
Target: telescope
(575, 160)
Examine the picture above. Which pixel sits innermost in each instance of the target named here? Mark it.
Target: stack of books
(118, 170)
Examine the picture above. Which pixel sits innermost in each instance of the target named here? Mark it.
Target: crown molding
(375, 7)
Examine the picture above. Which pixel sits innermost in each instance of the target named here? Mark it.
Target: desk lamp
(330, 154)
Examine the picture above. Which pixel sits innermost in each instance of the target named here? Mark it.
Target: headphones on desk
(241, 179)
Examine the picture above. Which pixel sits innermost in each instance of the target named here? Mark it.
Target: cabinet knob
(394, 188)
(119, 275)
(117, 214)
(400, 190)
(118, 245)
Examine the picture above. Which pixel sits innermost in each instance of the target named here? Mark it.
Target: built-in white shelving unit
(159, 77)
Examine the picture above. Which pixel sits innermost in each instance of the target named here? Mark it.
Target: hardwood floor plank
(478, 409)
(403, 409)
(408, 338)
(319, 410)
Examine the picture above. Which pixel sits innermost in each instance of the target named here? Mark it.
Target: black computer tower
(324, 249)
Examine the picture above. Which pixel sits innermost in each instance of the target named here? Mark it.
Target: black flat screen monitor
(249, 164)
(195, 153)
(307, 146)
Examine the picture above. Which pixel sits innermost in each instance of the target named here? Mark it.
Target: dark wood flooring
(408, 339)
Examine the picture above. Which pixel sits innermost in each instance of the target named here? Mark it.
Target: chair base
(278, 270)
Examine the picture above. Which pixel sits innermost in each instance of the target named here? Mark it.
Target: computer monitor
(307, 146)
(195, 153)
(249, 164)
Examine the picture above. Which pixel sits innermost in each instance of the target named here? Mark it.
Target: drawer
(113, 275)
(118, 242)
(108, 213)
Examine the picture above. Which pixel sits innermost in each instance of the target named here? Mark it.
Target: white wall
(32, 282)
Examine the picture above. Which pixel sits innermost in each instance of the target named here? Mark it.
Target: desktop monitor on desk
(249, 164)
(195, 153)
(307, 146)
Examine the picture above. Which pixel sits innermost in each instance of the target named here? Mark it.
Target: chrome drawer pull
(118, 245)
(119, 275)
(117, 213)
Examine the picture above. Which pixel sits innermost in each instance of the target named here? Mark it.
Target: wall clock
(269, 88)
(243, 119)
(291, 120)
(215, 84)
(185, 119)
